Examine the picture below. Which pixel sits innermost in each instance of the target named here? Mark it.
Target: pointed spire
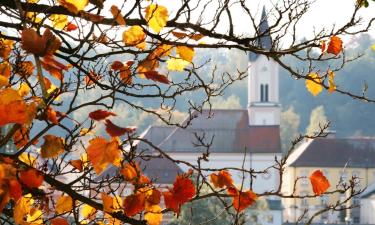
(264, 41)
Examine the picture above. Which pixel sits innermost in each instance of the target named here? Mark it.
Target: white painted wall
(367, 210)
(258, 161)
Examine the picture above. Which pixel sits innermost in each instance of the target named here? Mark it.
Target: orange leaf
(54, 67)
(64, 204)
(32, 178)
(130, 172)
(70, 27)
(117, 65)
(319, 182)
(134, 204)
(242, 200)
(170, 202)
(12, 107)
(33, 43)
(107, 202)
(183, 190)
(153, 198)
(101, 152)
(155, 76)
(90, 78)
(78, 164)
(5, 69)
(52, 115)
(134, 36)
(153, 215)
(223, 178)
(52, 147)
(59, 221)
(115, 130)
(186, 53)
(100, 114)
(335, 45)
(117, 15)
(21, 137)
(179, 35)
(15, 189)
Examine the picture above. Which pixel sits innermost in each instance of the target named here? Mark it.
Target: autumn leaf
(32, 178)
(153, 197)
(117, 15)
(59, 221)
(186, 53)
(130, 172)
(4, 81)
(114, 130)
(5, 69)
(319, 182)
(15, 189)
(100, 114)
(24, 90)
(88, 212)
(12, 107)
(22, 208)
(59, 21)
(242, 200)
(373, 47)
(134, 36)
(181, 35)
(107, 202)
(70, 27)
(174, 64)
(222, 179)
(74, 6)
(314, 84)
(102, 152)
(33, 43)
(134, 204)
(153, 215)
(64, 204)
(77, 164)
(331, 82)
(55, 68)
(335, 45)
(28, 159)
(91, 77)
(26, 69)
(183, 190)
(156, 16)
(21, 137)
(155, 76)
(52, 147)
(6, 47)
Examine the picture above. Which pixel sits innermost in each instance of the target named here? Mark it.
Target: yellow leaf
(33, 17)
(23, 90)
(74, 6)
(102, 152)
(35, 217)
(331, 82)
(86, 131)
(314, 86)
(27, 158)
(373, 47)
(22, 208)
(153, 215)
(88, 212)
(156, 16)
(5, 68)
(117, 15)
(133, 36)
(64, 204)
(59, 21)
(186, 53)
(4, 81)
(174, 64)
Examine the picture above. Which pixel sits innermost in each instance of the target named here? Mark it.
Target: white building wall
(367, 211)
(258, 161)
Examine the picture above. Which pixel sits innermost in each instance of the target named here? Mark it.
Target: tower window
(264, 92)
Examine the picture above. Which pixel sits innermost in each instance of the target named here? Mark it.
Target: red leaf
(115, 130)
(59, 221)
(170, 202)
(335, 45)
(319, 182)
(77, 164)
(242, 200)
(70, 27)
(117, 65)
(15, 189)
(155, 76)
(223, 178)
(31, 178)
(183, 190)
(134, 204)
(100, 114)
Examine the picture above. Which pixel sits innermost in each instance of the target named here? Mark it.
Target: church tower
(263, 82)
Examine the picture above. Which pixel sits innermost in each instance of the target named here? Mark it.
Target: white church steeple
(263, 82)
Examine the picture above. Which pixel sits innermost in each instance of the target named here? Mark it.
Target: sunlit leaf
(186, 53)
(59, 21)
(153, 215)
(100, 114)
(31, 178)
(130, 172)
(319, 182)
(74, 6)
(4, 81)
(70, 27)
(33, 43)
(5, 69)
(331, 82)
(6, 47)
(134, 36)
(64, 204)
(222, 179)
(314, 84)
(335, 45)
(24, 89)
(174, 64)
(183, 190)
(242, 200)
(134, 204)
(77, 164)
(12, 107)
(102, 152)
(156, 16)
(117, 15)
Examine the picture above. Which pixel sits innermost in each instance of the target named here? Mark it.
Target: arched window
(262, 93)
(266, 93)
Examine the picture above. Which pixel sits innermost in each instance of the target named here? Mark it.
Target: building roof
(228, 129)
(159, 170)
(337, 152)
(264, 40)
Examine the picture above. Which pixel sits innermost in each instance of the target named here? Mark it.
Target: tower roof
(264, 40)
